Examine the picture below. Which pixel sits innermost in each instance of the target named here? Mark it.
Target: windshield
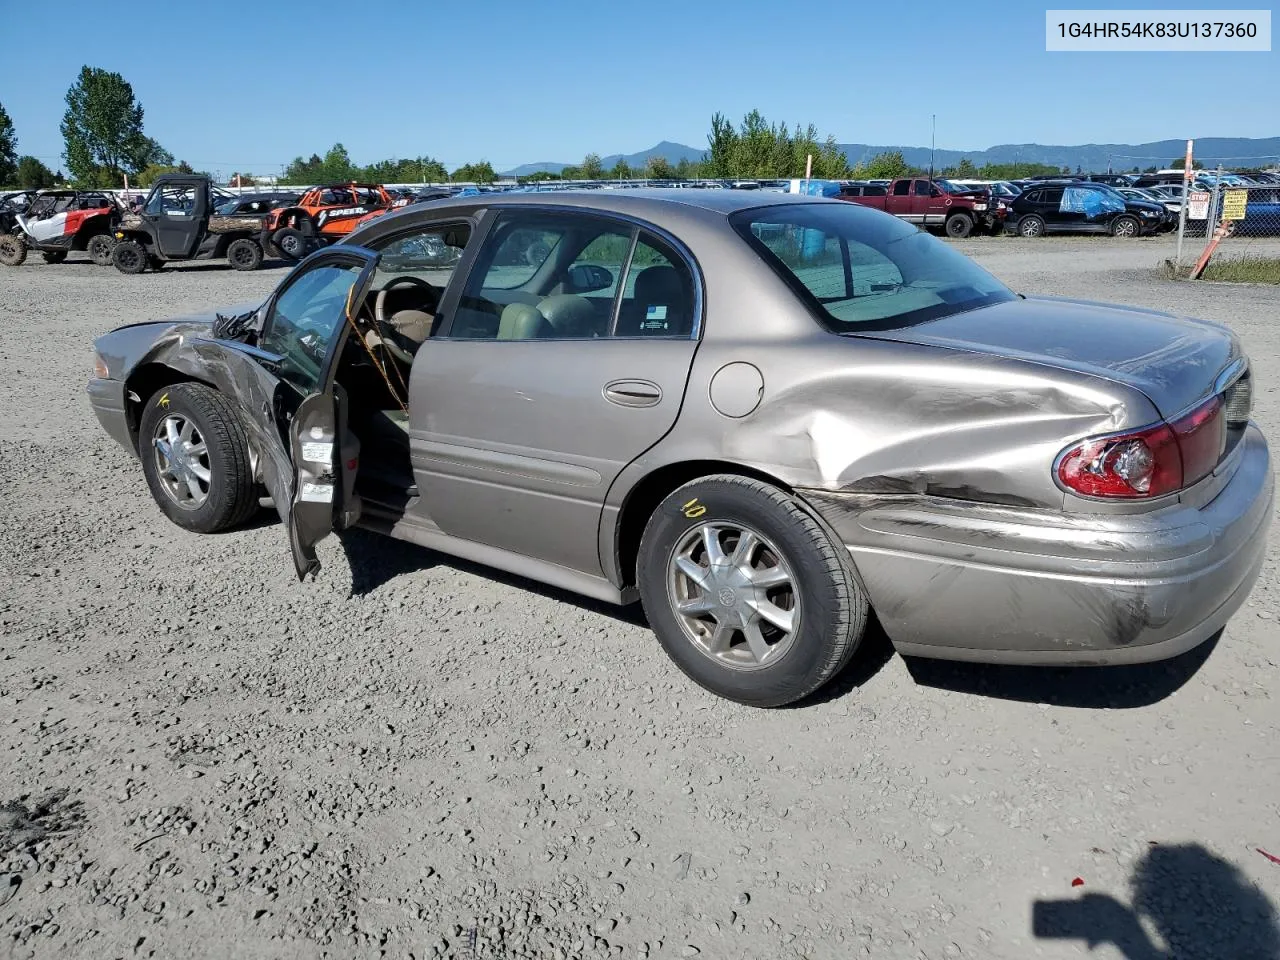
(952, 187)
(861, 270)
(226, 209)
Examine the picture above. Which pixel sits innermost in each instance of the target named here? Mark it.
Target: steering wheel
(379, 305)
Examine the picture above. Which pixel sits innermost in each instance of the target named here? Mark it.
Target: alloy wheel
(182, 461)
(733, 594)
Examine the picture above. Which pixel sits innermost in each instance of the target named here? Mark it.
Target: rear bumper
(974, 582)
(107, 398)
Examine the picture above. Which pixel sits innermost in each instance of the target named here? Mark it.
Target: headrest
(521, 321)
(659, 285)
(569, 315)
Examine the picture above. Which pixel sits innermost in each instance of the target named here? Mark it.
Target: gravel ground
(413, 757)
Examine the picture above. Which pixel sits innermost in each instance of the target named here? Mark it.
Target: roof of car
(635, 200)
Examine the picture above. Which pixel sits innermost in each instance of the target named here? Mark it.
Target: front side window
(172, 201)
(902, 188)
(304, 319)
(860, 271)
(923, 188)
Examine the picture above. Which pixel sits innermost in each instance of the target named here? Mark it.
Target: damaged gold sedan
(762, 416)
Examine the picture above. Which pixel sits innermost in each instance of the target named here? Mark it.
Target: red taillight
(1202, 438)
(1150, 462)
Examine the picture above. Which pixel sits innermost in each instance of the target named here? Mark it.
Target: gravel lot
(413, 757)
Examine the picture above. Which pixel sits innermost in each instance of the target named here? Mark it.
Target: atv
(59, 221)
(325, 215)
(179, 221)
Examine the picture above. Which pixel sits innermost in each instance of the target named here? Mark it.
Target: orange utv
(324, 215)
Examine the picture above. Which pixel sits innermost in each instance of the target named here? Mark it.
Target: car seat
(660, 306)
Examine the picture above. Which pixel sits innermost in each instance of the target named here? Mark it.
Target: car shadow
(1199, 906)
(376, 560)
(875, 650)
(1117, 688)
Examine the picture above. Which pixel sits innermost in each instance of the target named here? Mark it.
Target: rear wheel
(290, 242)
(244, 254)
(54, 256)
(747, 593)
(13, 250)
(1125, 227)
(1031, 226)
(99, 249)
(129, 257)
(195, 456)
(959, 226)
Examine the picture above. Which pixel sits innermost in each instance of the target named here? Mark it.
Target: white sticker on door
(317, 492)
(318, 453)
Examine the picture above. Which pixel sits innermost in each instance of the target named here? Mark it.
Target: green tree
(148, 174)
(722, 144)
(481, 172)
(34, 175)
(883, 166)
(102, 129)
(337, 165)
(621, 170)
(8, 148)
(657, 167)
(539, 176)
(965, 170)
(571, 173)
(591, 167)
(1178, 163)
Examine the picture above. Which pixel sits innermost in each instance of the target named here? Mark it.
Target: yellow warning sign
(1234, 203)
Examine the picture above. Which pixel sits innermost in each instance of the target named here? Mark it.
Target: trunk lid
(1174, 361)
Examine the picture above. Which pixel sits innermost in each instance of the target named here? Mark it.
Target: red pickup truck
(933, 203)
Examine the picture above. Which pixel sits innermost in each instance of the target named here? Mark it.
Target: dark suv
(1084, 208)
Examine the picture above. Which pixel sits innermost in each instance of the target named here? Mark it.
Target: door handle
(633, 393)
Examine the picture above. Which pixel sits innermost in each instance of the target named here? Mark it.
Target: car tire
(795, 560)
(244, 254)
(99, 249)
(13, 250)
(290, 242)
(227, 495)
(54, 256)
(959, 226)
(129, 257)
(1031, 227)
(1126, 226)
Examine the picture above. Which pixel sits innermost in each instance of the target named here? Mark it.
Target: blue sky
(522, 82)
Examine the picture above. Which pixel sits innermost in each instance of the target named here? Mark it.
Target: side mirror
(587, 277)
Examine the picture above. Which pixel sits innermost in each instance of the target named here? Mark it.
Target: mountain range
(1094, 157)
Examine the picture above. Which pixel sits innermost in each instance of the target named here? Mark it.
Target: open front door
(305, 326)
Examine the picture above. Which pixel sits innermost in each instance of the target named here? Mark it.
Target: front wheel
(959, 226)
(290, 242)
(244, 254)
(195, 456)
(1125, 227)
(747, 592)
(129, 257)
(99, 249)
(13, 251)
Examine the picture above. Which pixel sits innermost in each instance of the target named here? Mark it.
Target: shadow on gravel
(376, 560)
(1117, 688)
(873, 653)
(1199, 906)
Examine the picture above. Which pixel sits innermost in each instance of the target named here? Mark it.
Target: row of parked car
(187, 217)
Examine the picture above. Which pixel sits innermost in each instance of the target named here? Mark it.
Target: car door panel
(514, 443)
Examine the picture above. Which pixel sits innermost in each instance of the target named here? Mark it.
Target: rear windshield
(861, 270)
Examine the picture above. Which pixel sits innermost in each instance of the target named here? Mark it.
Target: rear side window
(861, 271)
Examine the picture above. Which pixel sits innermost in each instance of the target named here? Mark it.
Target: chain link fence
(1231, 227)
